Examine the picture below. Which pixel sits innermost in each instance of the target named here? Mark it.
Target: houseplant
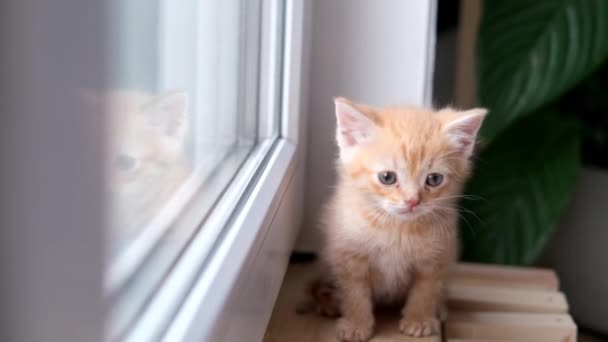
(543, 75)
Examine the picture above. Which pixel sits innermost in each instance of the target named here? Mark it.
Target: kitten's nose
(412, 202)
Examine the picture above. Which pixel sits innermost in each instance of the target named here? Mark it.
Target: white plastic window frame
(53, 223)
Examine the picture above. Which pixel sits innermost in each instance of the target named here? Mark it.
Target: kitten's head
(147, 134)
(146, 153)
(405, 162)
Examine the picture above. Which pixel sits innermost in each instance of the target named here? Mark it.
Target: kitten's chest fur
(394, 256)
(392, 253)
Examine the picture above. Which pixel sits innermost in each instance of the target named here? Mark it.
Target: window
(193, 112)
(152, 166)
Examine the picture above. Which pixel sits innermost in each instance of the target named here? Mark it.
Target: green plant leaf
(531, 52)
(521, 184)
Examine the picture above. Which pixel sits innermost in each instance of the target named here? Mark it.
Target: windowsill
(287, 324)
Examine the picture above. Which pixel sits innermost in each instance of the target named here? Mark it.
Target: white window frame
(233, 297)
(54, 231)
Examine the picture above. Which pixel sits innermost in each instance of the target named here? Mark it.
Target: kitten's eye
(387, 177)
(124, 162)
(434, 179)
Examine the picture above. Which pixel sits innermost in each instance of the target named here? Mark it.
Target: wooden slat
(504, 276)
(510, 326)
(479, 298)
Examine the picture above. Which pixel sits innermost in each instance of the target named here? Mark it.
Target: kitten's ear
(462, 127)
(169, 112)
(353, 127)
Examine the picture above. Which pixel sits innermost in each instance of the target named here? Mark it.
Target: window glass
(188, 103)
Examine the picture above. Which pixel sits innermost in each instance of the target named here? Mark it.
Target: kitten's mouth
(408, 213)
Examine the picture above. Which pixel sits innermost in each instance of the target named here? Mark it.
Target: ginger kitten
(390, 227)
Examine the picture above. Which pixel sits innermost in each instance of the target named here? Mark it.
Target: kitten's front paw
(419, 327)
(350, 332)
